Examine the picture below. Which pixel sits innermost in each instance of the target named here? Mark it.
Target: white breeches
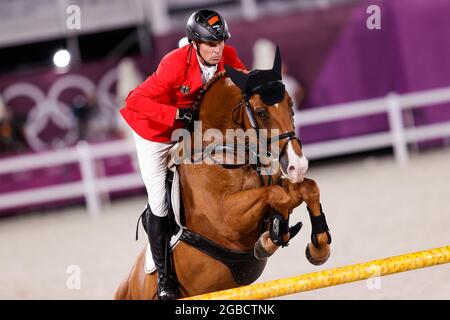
(152, 157)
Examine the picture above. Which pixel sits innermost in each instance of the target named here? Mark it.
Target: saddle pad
(149, 264)
(175, 195)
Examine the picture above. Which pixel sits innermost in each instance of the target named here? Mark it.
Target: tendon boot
(158, 234)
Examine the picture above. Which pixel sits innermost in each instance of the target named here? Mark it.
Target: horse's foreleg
(318, 250)
(292, 198)
(243, 210)
(246, 208)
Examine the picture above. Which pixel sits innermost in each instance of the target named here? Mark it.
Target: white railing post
(101, 175)
(397, 130)
(157, 13)
(249, 9)
(91, 195)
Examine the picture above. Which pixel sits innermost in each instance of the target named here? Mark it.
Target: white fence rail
(398, 135)
(92, 186)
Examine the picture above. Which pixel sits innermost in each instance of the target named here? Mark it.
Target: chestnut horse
(228, 207)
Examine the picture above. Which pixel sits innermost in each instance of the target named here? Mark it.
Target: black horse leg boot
(158, 235)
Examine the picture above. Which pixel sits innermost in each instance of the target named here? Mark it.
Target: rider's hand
(188, 116)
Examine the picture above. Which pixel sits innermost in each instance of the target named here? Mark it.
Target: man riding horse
(162, 104)
(235, 216)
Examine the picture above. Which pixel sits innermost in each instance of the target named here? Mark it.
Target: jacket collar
(193, 68)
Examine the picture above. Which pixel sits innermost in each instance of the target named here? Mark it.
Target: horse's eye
(261, 112)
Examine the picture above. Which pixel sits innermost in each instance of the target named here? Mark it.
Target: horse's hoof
(313, 260)
(259, 252)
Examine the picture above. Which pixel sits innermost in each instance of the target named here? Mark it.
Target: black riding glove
(188, 116)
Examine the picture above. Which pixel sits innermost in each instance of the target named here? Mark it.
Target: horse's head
(269, 106)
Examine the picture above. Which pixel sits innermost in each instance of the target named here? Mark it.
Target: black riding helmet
(207, 26)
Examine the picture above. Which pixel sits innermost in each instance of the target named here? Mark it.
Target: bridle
(252, 153)
(253, 122)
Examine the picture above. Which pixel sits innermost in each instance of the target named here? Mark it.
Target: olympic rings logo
(49, 107)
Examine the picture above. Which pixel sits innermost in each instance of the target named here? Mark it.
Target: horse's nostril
(295, 173)
(291, 169)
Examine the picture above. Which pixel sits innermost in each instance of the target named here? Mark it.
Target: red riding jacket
(151, 107)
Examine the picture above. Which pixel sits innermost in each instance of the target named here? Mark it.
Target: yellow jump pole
(333, 277)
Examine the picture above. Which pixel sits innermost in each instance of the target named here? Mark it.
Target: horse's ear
(239, 78)
(277, 62)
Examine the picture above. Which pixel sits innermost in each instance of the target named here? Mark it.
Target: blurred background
(372, 89)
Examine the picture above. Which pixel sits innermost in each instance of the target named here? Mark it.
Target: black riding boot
(158, 234)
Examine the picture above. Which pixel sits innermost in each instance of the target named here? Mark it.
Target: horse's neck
(216, 110)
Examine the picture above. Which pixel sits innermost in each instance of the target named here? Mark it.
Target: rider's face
(211, 52)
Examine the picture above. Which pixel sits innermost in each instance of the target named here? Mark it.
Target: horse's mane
(207, 86)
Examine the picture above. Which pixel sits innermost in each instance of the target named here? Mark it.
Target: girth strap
(243, 265)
